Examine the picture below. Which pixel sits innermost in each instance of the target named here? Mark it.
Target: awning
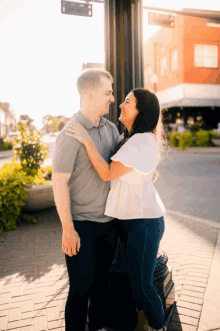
(191, 102)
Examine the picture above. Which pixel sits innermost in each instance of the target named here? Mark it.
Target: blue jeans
(140, 240)
(88, 273)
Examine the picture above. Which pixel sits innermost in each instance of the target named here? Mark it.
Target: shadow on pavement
(175, 323)
(33, 250)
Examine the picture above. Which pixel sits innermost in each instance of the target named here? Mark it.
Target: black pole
(123, 49)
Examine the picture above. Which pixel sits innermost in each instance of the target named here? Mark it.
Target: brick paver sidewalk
(34, 283)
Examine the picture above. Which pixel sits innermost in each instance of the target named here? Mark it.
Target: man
(80, 195)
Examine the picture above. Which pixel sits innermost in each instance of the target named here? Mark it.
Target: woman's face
(128, 111)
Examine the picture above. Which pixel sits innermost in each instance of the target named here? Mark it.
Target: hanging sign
(163, 20)
(76, 8)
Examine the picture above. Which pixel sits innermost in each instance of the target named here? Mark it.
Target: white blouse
(133, 195)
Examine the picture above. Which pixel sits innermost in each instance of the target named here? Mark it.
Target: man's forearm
(62, 201)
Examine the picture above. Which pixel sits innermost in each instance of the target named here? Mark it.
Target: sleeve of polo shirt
(120, 138)
(65, 153)
(140, 153)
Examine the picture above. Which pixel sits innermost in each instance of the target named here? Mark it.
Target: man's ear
(90, 94)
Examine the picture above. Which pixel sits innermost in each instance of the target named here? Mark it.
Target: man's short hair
(91, 79)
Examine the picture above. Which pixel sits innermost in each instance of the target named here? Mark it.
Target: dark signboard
(76, 8)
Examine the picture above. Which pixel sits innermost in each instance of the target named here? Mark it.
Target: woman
(133, 200)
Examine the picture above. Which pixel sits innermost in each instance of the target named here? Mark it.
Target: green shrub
(185, 140)
(30, 151)
(13, 181)
(213, 135)
(7, 145)
(202, 138)
(173, 140)
(195, 127)
(12, 195)
(47, 173)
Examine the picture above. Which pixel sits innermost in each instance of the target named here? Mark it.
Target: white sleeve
(140, 152)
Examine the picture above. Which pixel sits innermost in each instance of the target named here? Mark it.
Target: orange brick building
(182, 65)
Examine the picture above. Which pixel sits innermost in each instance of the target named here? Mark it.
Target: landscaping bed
(200, 138)
(24, 185)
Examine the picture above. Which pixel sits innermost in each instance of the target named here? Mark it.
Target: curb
(210, 319)
(195, 150)
(213, 224)
(191, 318)
(5, 154)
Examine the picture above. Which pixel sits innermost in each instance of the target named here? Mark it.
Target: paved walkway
(34, 284)
(195, 150)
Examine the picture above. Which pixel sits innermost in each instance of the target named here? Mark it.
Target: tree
(26, 119)
(25, 123)
(61, 126)
(54, 123)
(46, 120)
(21, 126)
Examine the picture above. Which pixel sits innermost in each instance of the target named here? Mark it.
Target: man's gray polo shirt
(88, 192)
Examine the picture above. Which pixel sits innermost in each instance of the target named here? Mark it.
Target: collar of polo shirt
(88, 125)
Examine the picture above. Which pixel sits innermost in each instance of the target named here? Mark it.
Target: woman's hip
(143, 226)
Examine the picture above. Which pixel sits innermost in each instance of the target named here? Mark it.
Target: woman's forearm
(107, 171)
(101, 166)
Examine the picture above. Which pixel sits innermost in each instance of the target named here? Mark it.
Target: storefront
(207, 117)
(192, 103)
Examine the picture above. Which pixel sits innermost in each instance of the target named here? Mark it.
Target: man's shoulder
(63, 138)
(74, 119)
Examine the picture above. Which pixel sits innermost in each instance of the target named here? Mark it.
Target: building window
(206, 56)
(163, 65)
(174, 60)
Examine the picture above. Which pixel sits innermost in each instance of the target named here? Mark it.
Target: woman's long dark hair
(148, 119)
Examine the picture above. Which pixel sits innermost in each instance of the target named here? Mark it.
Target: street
(188, 184)
(191, 184)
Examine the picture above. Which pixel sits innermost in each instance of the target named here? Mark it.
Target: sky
(42, 52)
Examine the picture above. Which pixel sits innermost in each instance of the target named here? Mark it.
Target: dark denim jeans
(140, 240)
(89, 275)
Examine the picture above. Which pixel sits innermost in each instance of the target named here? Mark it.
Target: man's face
(103, 97)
